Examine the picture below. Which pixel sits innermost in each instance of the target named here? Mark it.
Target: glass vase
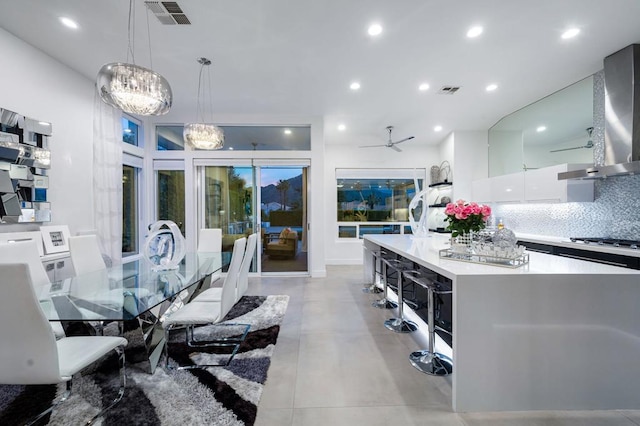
(462, 243)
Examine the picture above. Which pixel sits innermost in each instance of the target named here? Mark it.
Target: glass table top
(126, 291)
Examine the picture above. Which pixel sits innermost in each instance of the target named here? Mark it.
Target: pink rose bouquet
(465, 217)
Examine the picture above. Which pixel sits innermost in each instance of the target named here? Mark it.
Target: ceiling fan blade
(370, 146)
(395, 148)
(403, 140)
(568, 149)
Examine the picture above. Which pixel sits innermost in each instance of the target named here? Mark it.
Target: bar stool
(384, 302)
(377, 255)
(399, 324)
(429, 361)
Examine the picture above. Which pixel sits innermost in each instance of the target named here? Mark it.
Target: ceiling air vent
(168, 12)
(448, 90)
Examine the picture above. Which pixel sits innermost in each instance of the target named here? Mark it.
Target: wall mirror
(553, 130)
(24, 163)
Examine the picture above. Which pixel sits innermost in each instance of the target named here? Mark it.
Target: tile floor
(335, 364)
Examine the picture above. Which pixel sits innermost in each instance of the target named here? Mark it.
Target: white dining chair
(210, 241)
(243, 276)
(197, 313)
(27, 252)
(34, 356)
(85, 254)
(214, 294)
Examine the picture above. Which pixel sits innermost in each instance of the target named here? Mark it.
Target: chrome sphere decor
(134, 89)
(165, 245)
(203, 136)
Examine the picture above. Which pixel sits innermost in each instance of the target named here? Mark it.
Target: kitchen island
(555, 334)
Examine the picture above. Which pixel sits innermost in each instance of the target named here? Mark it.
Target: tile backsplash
(615, 213)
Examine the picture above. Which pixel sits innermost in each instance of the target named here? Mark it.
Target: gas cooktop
(632, 244)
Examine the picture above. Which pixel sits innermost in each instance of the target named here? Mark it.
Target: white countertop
(566, 242)
(425, 251)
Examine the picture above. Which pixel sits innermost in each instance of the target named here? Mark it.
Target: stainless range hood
(622, 117)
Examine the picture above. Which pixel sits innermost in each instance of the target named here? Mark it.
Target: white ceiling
(296, 57)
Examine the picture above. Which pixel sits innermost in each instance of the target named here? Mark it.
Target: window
(170, 184)
(130, 196)
(169, 138)
(243, 138)
(130, 131)
(375, 201)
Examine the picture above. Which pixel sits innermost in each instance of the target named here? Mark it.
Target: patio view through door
(283, 217)
(228, 200)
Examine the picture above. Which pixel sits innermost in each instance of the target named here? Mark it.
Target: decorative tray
(484, 259)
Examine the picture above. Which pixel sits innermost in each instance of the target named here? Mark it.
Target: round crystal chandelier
(201, 135)
(132, 88)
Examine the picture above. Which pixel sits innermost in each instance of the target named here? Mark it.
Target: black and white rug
(216, 396)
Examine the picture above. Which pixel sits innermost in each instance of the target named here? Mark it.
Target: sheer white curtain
(107, 177)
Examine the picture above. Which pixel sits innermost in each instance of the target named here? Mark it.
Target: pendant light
(201, 135)
(132, 88)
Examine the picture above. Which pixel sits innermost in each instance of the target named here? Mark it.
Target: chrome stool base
(384, 303)
(400, 326)
(435, 364)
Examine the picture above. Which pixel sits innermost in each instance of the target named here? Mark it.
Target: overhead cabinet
(534, 186)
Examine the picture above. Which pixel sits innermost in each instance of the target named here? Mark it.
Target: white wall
(35, 85)
(413, 155)
(470, 161)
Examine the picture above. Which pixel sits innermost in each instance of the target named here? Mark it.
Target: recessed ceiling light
(541, 128)
(474, 32)
(570, 33)
(354, 86)
(491, 87)
(287, 131)
(230, 148)
(342, 127)
(423, 87)
(374, 29)
(437, 129)
(68, 22)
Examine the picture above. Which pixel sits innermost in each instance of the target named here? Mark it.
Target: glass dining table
(135, 295)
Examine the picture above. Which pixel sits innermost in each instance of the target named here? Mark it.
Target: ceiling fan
(390, 143)
(589, 143)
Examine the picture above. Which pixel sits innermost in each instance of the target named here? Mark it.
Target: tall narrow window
(130, 209)
(170, 184)
(130, 131)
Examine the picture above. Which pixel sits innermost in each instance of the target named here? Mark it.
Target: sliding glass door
(283, 215)
(228, 198)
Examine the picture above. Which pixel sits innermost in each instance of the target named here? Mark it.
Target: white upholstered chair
(85, 254)
(27, 252)
(243, 276)
(234, 274)
(199, 313)
(34, 356)
(210, 241)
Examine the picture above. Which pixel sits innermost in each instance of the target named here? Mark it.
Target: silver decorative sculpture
(165, 245)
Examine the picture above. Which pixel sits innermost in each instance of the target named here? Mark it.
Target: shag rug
(214, 396)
